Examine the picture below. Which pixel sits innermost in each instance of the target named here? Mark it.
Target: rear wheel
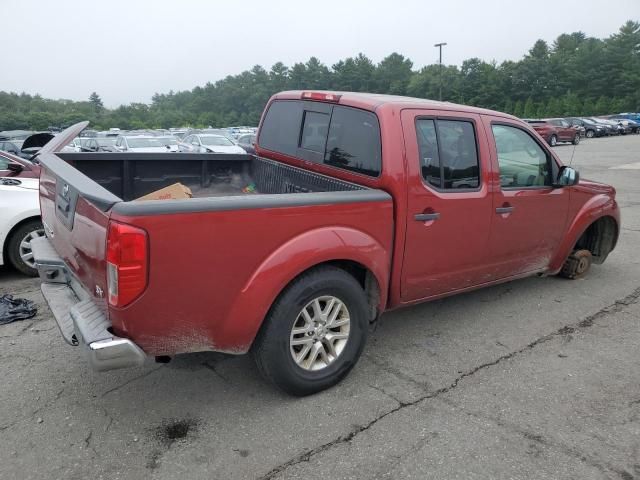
(576, 139)
(553, 141)
(590, 134)
(577, 264)
(315, 332)
(19, 246)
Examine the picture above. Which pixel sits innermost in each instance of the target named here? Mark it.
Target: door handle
(504, 210)
(426, 217)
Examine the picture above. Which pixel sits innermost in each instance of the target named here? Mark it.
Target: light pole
(440, 45)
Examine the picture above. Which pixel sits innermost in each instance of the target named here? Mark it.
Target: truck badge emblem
(99, 292)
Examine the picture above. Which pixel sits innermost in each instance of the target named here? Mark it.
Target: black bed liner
(130, 176)
(219, 182)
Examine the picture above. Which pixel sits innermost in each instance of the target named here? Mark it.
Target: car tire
(19, 246)
(576, 139)
(553, 140)
(577, 264)
(278, 350)
(590, 134)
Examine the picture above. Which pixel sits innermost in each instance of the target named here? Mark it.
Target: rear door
(530, 215)
(449, 203)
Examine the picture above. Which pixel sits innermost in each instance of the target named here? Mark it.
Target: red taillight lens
(325, 97)
(127, 259)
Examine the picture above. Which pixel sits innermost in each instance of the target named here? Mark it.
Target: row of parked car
(20, 219)
(572, 129)
(231, 140)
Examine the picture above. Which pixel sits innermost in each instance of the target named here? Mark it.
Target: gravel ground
(537, 378)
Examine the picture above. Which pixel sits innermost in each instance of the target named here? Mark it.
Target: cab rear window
(335, 135)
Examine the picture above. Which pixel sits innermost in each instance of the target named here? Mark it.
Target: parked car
(140, 143)
(209, 143)
(562, 125)
(554, 134)
(627, 116)
(10, 147)
(19, 222)
(610, 128)
(591, 128)
(98, 144)
(246, 142)
(14, 166)
(622, 128)
(631, 125)
(314, 237)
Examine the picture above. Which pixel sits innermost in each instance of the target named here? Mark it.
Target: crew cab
(360, 203)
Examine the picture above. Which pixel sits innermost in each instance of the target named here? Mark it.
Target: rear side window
(354, 141)
(339, 136)
(448, 153)
(280, 130)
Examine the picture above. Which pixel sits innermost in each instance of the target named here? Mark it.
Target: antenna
(573, 153)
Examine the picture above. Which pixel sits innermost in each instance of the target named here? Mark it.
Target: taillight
(323, 96)
(127, 259)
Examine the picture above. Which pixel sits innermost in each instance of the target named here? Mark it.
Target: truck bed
(216, 261)
(130, 176)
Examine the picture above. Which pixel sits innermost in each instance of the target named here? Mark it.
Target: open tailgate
(75, 215)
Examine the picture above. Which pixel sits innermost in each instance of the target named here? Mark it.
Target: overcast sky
(127, 50)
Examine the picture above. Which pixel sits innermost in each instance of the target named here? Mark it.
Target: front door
(530, 215)
(449, 203)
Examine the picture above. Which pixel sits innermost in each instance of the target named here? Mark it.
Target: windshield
(168, 140)
(216, 141)
(144, 142)
(106, 141)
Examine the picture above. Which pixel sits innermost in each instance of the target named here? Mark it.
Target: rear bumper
(80, 321)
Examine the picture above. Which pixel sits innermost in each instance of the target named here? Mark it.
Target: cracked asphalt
(537, 378)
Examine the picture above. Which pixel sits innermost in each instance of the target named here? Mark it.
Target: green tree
(529, 109)
(96, 102)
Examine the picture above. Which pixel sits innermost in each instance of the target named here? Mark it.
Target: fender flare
(291, 259)
(596, 208)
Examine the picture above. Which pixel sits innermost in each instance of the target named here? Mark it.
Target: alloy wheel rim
(320, 333)
(25, 251)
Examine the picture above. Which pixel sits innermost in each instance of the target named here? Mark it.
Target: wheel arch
(606, 222)
(351, 250)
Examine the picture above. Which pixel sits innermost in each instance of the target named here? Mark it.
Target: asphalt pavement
(536, 378)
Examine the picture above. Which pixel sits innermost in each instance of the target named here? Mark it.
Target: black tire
(590, 134)
(13, 246)
(576, 139)
(272, 351)
(553, 140)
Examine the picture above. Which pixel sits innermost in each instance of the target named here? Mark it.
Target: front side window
(448, 153)
(4, 163)
(522, 162)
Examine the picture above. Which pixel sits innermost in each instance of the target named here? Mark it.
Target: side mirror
(15, 167)
(567, 177)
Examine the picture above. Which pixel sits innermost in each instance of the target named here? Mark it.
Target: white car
(141, 143)
(19, 222)
(209, 143)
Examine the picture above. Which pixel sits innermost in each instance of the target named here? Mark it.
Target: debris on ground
(12, 309)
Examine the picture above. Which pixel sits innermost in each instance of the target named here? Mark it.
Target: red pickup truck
(354, 204)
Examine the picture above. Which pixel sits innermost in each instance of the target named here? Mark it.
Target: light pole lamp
(440, 45)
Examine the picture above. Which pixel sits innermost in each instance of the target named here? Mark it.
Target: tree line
(574, 75)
